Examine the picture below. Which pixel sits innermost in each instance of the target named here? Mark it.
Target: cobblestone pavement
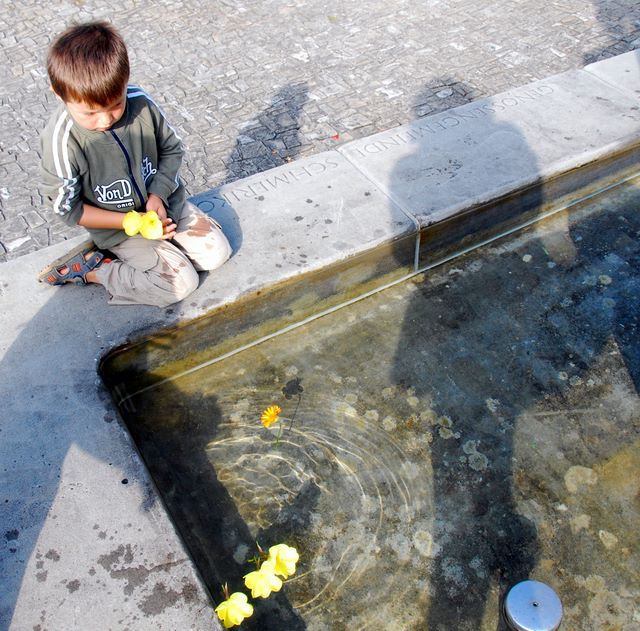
(254, 83)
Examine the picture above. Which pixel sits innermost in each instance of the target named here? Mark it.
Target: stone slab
(622, 72)
(299, 218)
(443, 164)
(85, 543)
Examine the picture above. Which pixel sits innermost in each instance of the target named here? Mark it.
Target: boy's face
(97, 118)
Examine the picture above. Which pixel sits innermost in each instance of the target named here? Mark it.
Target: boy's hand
(155, 203)
(168, 227)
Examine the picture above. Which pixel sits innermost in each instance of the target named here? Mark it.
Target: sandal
(73, 266)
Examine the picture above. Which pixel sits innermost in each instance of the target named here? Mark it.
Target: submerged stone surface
(442, 440)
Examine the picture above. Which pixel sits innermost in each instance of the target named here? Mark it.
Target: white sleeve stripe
(65, 148)
(67, 188)
(67, 163)
(56, 157)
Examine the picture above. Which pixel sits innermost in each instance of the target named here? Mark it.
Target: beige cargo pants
(161, 272)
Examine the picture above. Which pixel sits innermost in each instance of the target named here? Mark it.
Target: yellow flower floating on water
(270, 415)
(263, 581)
(284, 559)
(234, 610)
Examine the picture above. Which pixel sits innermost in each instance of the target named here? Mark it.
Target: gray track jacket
(115, 170)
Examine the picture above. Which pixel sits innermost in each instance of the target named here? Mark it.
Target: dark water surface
(442, 440)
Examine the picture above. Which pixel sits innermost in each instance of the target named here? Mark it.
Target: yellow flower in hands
(148, 225)
(151, 227)
(284, 559)
(263, 581)
(234, 610)
(270, 415)
(131, 223)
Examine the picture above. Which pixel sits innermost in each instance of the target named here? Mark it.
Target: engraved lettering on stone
(440, 123)
(271, 183)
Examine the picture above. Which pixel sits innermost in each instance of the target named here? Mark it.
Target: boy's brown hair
(89, 63)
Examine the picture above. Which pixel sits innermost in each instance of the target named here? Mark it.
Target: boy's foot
(73, 266)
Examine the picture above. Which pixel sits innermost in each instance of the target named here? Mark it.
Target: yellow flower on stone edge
(284, 559)
(270, 415)
(263, 581)
(234, 610)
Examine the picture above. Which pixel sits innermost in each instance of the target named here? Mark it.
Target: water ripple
(372, 515)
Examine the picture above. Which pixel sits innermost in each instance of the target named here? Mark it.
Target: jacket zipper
(128, 159)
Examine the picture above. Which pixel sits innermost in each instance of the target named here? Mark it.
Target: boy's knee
(217, 251)
(171, 288)
(184, 283)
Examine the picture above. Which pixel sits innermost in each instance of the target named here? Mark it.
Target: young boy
(107, 151)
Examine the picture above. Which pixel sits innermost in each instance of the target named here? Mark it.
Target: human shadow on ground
(172, 429)
(38, 435)
(271, 137)
(477, 530)
(621, 21)
(268, 139)
(487, 344)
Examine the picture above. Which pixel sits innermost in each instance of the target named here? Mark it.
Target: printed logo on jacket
(147, 169)
(117, 193)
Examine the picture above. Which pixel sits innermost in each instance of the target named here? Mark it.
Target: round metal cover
(532, 606)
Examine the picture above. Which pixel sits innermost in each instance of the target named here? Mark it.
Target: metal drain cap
(532, 606)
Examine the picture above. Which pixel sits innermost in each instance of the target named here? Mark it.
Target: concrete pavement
(254, 84)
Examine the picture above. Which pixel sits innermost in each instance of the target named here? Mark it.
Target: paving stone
(33, 218)
(40, 236)
(13, 228)
(355, 68)
(19, 245)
